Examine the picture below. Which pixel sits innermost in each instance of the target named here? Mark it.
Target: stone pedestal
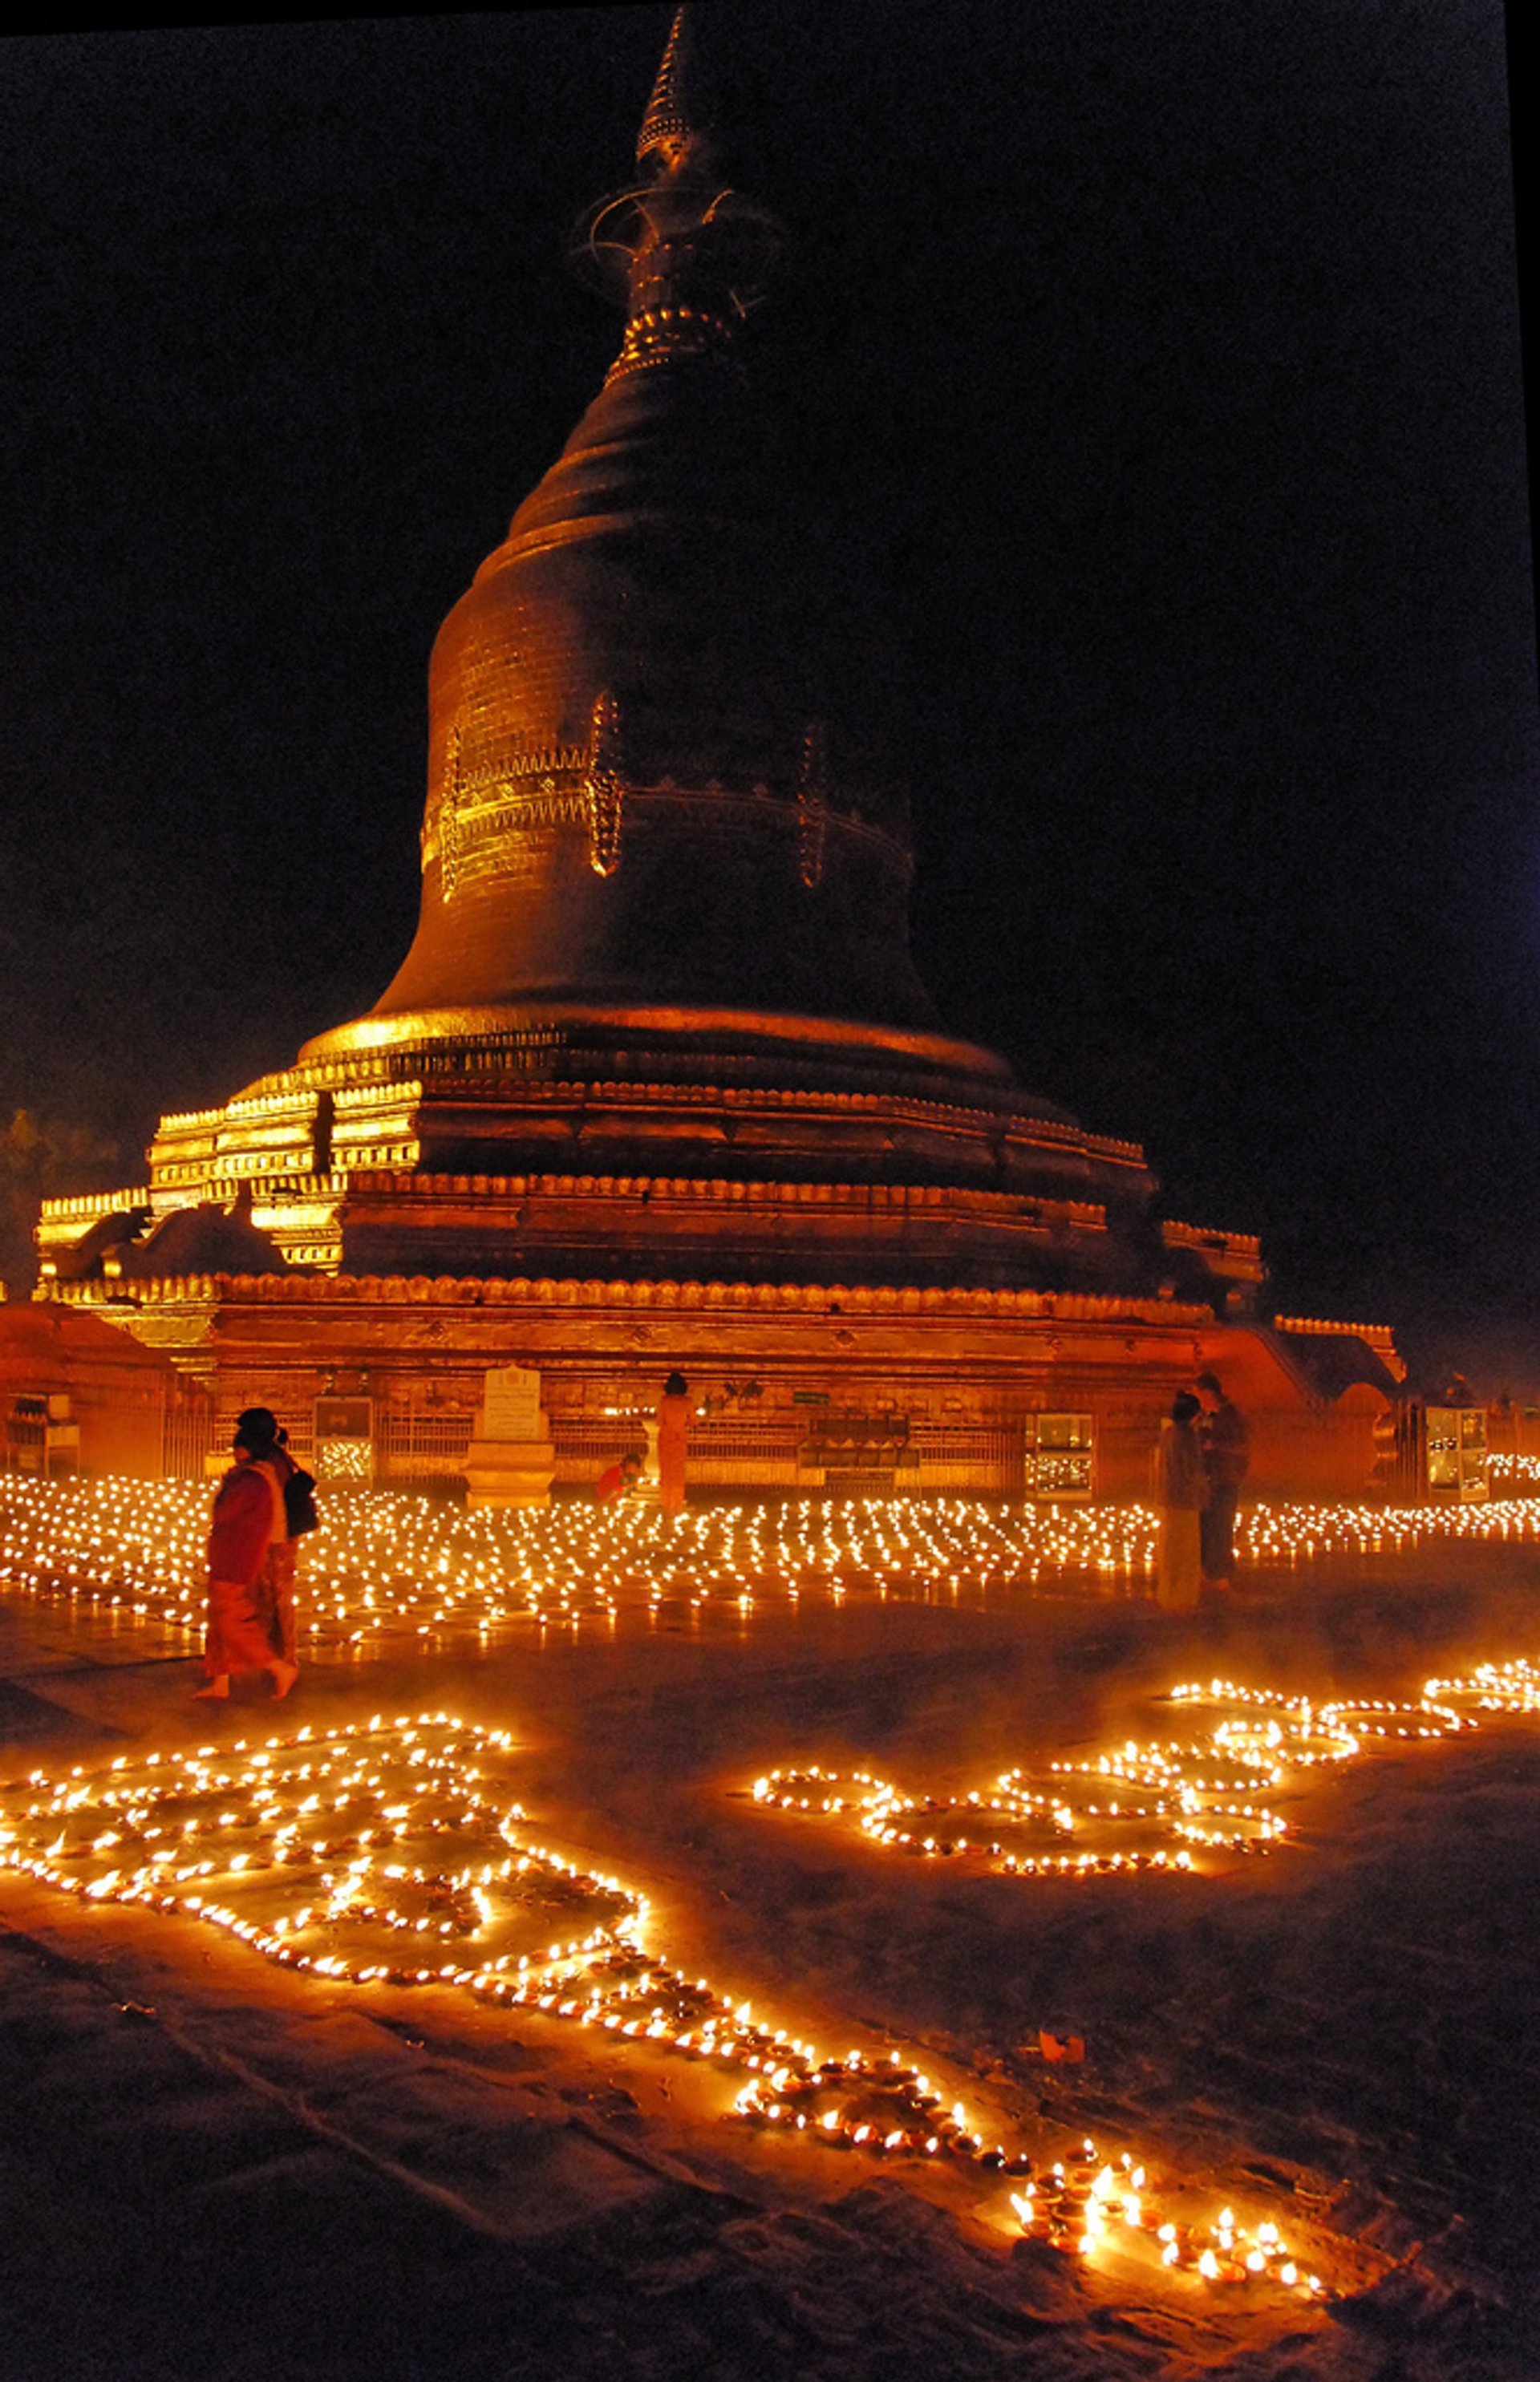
(501, 1472)
(511, 1460)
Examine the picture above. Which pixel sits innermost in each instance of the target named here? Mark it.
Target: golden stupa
(659, 1044)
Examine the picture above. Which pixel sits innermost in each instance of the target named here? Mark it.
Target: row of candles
(377, 1854)
(1146, 1804)
(383, 1566)
(350, 1854)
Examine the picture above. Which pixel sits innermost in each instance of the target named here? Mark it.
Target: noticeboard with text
(510, 1403)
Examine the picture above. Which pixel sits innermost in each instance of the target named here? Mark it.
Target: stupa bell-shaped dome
(659, 1022)
(660, 773)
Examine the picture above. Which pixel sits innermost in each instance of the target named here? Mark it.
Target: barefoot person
(251, 1562)
(1180, 1491)
(674, 1415)
(1226, 1442)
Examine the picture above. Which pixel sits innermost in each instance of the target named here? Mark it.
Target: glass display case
(1455, 1465)
(41, 1436)
(1059, 1458)
(345, 1440)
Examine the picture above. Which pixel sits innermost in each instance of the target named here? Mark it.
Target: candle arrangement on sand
(384, 1569)
(1145, 1805)
(378, 1855)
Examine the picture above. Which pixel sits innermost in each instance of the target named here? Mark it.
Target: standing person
(1180, 1489)
(251, 1562)
(1227, 1441)
(675, 1414)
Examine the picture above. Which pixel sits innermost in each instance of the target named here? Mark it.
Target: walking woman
(251, 1562)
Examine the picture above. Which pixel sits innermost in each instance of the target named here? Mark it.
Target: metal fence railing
(418, 1448)
(426, 1449)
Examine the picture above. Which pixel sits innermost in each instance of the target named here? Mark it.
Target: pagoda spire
(674, 129)
(687, 255)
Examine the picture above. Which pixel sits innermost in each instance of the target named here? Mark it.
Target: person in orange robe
(250, 1564)
(675, 1414)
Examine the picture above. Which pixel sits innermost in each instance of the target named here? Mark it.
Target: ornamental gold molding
(498, 836)
(491, 822)
(494, 809)
(847, 1300)
(812, 805)
(604, 787)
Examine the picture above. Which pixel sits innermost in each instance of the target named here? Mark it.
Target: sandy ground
(211, 2166)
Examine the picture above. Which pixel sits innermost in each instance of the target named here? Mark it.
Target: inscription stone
(510, 1403)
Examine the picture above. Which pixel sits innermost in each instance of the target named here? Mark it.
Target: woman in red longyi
(250, 1564)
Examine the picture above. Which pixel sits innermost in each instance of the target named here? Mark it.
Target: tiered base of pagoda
(799, 1387)
(613, 1227)
(640, 1141)
(719, 1146)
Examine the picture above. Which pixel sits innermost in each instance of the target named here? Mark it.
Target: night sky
(1161, 359)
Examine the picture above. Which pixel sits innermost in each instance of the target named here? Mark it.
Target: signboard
(510, 1403)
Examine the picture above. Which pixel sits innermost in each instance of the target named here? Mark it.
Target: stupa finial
(673, 131)
(686, 254)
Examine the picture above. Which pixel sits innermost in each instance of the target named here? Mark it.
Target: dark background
(1161, 357)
